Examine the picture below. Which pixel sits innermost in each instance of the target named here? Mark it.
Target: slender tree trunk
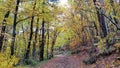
(3, 29)
(52, 48)
(14, 27)
(41, 53)
(103, 25)
(48, 42)
(53, 43)
(30, 36)
(35, 41)
(42, 42)
(101, 19)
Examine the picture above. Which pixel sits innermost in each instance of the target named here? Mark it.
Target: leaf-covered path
(76, 61)
(62, 62)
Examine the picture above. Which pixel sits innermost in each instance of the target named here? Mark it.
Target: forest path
(76, 61)
(61, 61)
(65, 61)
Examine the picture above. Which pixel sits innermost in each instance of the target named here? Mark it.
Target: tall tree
(42, 42)
(3, 29)
(14, 27)
(101, 18)
(30, 36)
(47, 41)
(35, 39)
(55, 34)
(41, 53)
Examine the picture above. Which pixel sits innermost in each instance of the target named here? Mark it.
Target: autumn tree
(14, 27)
(31, 34)
(3, 29)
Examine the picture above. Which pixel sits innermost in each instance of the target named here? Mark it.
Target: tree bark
(42, 42)
(30, 36)
(3, 29)
(101, 19)
(52, 48)
(35, 41)
(47, 41)
(14, 27)
(53, 43)
(41, 53)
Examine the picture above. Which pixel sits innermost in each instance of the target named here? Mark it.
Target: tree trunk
(42, 42)
(101, 19)
(47, 41)
(35, 41)
(41, 53)
(52, 48)
(30, 36)
(3, 29)
(14, 27)
(53, 43)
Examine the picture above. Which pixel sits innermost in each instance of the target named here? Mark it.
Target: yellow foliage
(6, 61)
(74, 45)
(101, 44)
(117, 46)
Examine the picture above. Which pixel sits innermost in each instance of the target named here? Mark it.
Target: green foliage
(32, 62)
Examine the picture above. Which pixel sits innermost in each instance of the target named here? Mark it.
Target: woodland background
(32, 31)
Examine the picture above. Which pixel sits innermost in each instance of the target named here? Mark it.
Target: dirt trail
(62, 61)
(76, 61)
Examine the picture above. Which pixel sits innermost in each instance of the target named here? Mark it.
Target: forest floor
(76, 61)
